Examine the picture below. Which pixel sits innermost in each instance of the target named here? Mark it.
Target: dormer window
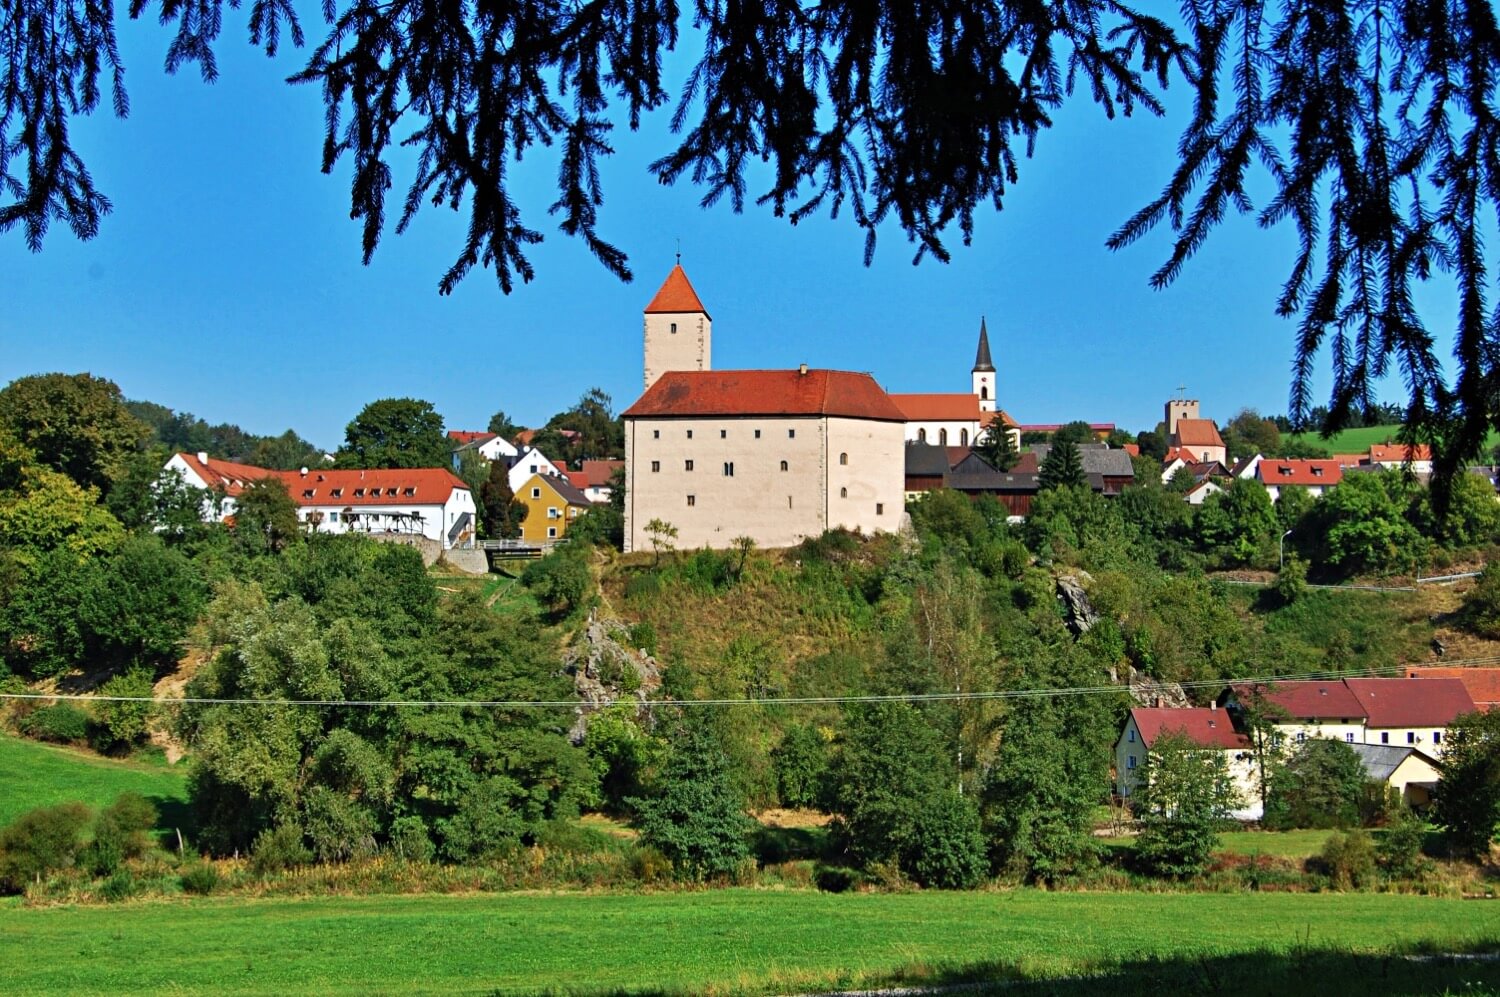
(1317, 472)
(307, 492)
(390, 491)
(359, 493)
(409, 492)
(337, 493)
(1285, 472)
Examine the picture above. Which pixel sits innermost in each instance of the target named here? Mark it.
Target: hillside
(39, 775)
(1360, 439)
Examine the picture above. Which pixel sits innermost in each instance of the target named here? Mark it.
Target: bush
(410, 840)
(1348, 860)
(39, 842)
(1400, 848)
(561, 580)
(836, 878)
(278, 848)
(696, 818)
(947, 849)
(121, 832)
(121, 885)
(338, 827)
(201, 878)
(643, 636)
(119, 726)
(800, 762)
(61, 723)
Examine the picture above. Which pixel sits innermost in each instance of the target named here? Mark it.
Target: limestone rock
(605, 670)
(1081, 613)
(1147, 691)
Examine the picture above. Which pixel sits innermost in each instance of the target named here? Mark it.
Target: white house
(488, 446)
(531, 461)
(430, 501)
(1398, 456)
(1313, 476)
(1210, 728)
(1200, 492)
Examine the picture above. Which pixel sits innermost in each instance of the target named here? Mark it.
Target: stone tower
(983, 377)
(1178, 409)
(679, 332)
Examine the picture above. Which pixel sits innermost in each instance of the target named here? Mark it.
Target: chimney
(802, 369)
(203, 456)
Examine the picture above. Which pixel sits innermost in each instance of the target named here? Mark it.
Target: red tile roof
(1350, 459)
(985, 418)
(1426, 702)
(577, 479)
(1300, 472)
(1134, 449)
(1483, 683)
(381, 486)
(1209, 728)
(1198, 433)
(1397, 453)
(1318, 700)
(676, 295)
(938, 408)
(598, 472)
(707, 393)
(467, 435)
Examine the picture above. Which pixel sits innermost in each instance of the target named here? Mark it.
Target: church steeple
(983, 377)
(982, 357)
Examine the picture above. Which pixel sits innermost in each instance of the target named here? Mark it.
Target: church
(774, 455)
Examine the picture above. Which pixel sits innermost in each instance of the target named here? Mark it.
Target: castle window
(942, 437)
(655, 466)
(880, 508)
(784, 465)
(757, 434)
(963, 437)
(791, 434)
(729, 469)
(674, 328)
(843, 493)
(692, 500)
(788, 501)
(690, 434)
(687, 465)
(723, 434)
(844, 459)
(656, 434)
(921, 436)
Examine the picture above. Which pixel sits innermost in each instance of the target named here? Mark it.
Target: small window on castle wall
(729, 469)
(687, 465)
(674, 328)
(692, 500)
(690, 434)
(723, 434)
(784, 465)
(791, 434)
(880, 508)
(757, 434)
(655, 466)
(843, 493)
(656, 434)
(843, 458)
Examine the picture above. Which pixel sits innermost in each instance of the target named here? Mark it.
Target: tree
(286, 452)
(74, 423)
(1321, 785)
(696, 817)
(265, 518)
(1062, 468)
(395, 432)
(42, 509)
(1239, 523)
(137, 605)
(1076, 432)
(1468, 793)
(663, 537)
(1185, 797)
(801, 765)
(499, 513)
(1362, 525)
(1248, 434)
(997, 448)
(501, 425)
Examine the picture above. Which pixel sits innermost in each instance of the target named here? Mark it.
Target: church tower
(679, 332)
(984, 372)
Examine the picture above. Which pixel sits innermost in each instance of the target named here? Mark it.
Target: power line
(933, 697)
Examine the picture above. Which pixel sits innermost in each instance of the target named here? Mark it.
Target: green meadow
(739, 941)
(41, 775)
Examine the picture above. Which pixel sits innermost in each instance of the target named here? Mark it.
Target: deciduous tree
(74, 423)
(395, 432)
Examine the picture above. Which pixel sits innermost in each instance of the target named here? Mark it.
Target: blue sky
(228, 281)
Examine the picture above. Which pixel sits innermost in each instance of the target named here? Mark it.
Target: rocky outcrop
(606, 669)
(1080, 612)
(1147, 691)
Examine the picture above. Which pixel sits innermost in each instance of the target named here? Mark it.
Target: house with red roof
(1483, 683)
(1417, 458)
(487, 446)
(430, 502)
(1407, 712)
(1312, 476)
(1210, 728)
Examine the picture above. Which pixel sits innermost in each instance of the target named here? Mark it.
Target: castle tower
(678, 330)
(983, 377)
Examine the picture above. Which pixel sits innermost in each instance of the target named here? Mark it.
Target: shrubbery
(61, 723)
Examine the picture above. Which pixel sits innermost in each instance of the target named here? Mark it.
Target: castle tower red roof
(676, 296)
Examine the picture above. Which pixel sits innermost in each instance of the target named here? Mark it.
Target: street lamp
(1281, 549)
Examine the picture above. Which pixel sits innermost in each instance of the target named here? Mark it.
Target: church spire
(982, 360)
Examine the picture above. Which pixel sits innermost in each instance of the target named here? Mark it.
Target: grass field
(1360, 440)
(725, 941)
(39, 775)
(1281, 844)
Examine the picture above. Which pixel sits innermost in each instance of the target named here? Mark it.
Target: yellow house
(552, 504)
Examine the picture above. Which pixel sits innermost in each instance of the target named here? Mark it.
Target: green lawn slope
(1361, 439)
(748, 941)
(39, 775)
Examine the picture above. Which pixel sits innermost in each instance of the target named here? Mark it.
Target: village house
(1399, 456)
(1210, 728)
(487, 446)
(530, 461)
(1405, 712)
(594, 478)
(552, 504)
(1412, 773)
(430, 502)
(1312, 476)
(1483, 684)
